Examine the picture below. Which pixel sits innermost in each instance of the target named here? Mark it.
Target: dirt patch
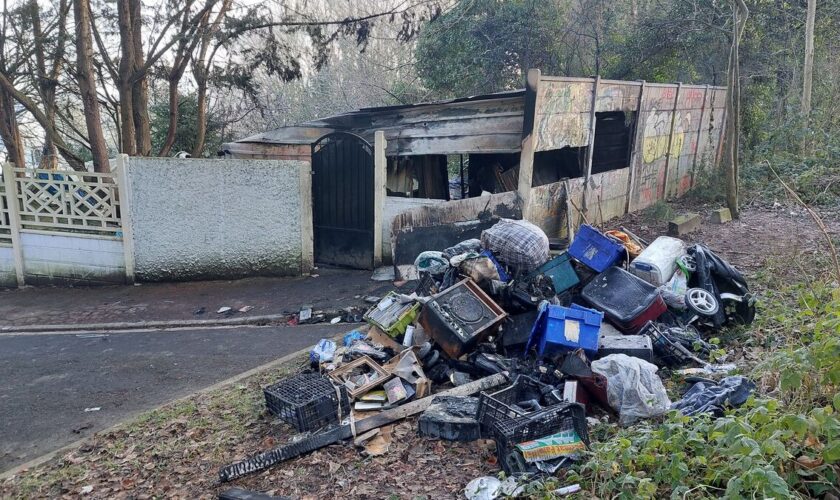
(763, 236)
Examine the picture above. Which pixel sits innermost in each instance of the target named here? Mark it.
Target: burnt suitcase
(460, 317)
(627, 301)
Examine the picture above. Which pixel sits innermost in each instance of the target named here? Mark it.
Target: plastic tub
(658, 262)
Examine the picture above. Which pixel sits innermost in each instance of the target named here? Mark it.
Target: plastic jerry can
(658, 262)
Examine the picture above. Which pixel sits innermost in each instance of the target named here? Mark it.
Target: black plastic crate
(307, 401)
(498, 406)
(557, 418)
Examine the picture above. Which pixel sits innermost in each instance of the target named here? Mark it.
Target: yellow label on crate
(562, 444)
(571, 330)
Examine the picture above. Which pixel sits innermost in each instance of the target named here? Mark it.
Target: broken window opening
(457, 166)
(613, 140)
(420, 176)
(613, 148)
(492, 173)
(557, 164)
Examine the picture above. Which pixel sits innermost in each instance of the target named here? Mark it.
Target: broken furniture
(596, 251)
(627, 301)
(460, 317)
(561, 328)
(307, 401)
(359, 376)
(282, 453)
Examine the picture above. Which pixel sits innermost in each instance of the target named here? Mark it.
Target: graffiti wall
(562, 114)
(617, 96)
(667, 167)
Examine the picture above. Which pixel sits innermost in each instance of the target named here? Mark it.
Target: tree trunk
(47, 82)
(172, 128)
(9, 132)
(201, 118)
(125, 89)
(201, 72)
(808, 72)
(87, 86)
(140, 90)
(733, 110)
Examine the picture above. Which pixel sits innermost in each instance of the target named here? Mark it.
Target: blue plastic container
(559, 328)
(560, 271)
(595, 250)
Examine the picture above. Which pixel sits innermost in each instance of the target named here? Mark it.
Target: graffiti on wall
(563, 115)
(657, 134)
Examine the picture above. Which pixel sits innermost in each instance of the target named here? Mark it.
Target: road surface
(48, 380)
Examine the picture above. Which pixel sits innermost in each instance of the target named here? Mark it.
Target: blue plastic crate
(559, 328)
(595, 250)
(560, 271)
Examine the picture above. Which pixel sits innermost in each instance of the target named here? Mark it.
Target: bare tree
(48, 79)
(808, 68)
(87, 85)
(9, 132)
(733, 108)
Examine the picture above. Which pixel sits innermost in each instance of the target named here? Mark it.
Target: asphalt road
(47, 381)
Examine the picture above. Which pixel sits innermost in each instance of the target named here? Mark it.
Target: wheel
(701, 301)
(687, 262)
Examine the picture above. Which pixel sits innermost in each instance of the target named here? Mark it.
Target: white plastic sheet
(634, 389)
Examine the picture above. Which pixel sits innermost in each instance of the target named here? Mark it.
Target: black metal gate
(342, 200)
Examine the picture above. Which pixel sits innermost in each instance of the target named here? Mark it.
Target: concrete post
(14, 220)
(590, 151)
(307, 231)
(526, 156)
(380, 162)
(124, 190)
(671, 142)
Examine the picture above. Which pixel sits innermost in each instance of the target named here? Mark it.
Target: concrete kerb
(144, 325)
(264, 320)
(218, 385)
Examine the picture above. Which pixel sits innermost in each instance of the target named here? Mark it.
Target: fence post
(124, 192)
(14, 219)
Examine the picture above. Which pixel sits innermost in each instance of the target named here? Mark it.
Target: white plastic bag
(634, 389)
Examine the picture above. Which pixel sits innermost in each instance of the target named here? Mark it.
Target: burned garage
(389, 182)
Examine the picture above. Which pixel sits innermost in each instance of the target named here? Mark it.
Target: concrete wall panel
(64, 258)
(209, 219)
(7, 267)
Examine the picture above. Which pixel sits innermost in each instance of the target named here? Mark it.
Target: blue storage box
(559, 328)
(560, 271)
(595, 250)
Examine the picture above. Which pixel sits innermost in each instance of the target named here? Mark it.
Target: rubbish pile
(506, 339)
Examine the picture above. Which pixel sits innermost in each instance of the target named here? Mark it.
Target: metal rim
(701, 301)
